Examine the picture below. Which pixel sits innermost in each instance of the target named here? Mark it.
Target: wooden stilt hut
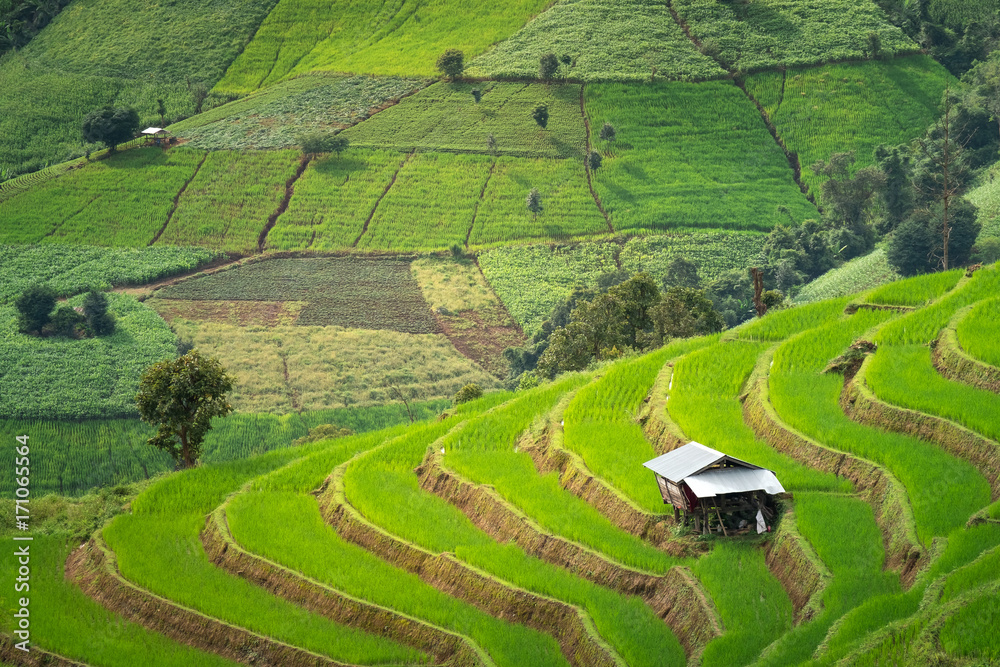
(707, 487)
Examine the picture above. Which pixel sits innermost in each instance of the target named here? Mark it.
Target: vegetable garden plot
(277, 116)
(403, 37)
(121, 201)
(605, 40)
(343, 291)
(819, 111)
(943, 490)
(227, 204)
(333, 199)
(158, 549)
(71, 269)
(67, 378)
(675, 163)
(113, 53)
(446, 117)
(760, 35)
(568, 209)
(431, 204)
(977, 333)
(712, 253)
(382, 486)
(287, 368)
(79, 628)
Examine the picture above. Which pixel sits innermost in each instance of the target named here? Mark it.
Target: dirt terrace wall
(579, 642)
(548, 454)
(660, 429)
(94, 568)
(878, 487)
(799, 569)
(955, 364)
(36, 657)
(447, 648)
(692, 618)
(860, 404)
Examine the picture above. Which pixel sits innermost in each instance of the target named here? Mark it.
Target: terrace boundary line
(802, 573)
(94, 568)
(579, 642)
(37, 657)
(955, 363)
(903, 550)
(475, 209)
(177, 199)
(496, 517)
(661, 431)
(272, 219)
(392, 181)
(586, 164)
(225, 552)
(861, 404)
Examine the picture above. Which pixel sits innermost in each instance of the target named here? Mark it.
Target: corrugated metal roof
(733, 480)
(684, 461)
(152, 130)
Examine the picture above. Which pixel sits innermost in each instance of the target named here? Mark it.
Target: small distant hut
(706, 486)
(156, 135)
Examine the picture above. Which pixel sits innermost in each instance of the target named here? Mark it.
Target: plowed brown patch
(482, 337)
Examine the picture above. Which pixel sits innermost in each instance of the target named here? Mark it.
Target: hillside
(569, 229)
(539, 499)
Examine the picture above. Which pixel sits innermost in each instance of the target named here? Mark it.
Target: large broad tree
(180, 397)
(110, 126)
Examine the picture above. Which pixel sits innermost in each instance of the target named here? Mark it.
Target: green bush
(469, 392)
(34, 308)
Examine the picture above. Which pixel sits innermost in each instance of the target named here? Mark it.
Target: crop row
(346, 291)
(71, 269)
(943, 490)
(600, 426)
(79, 628)
(158, 549)
(278, 520)
(819, 111)
(605, 40)
(977, 332)
(229, 199)
(917, 291)
(857, 275)
(383, 487)
(446, 117)
(670, 168)
(776, 33)
(402, 38)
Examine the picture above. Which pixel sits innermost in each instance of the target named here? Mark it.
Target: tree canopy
(110, 126)
(451, 63)
(180, 397)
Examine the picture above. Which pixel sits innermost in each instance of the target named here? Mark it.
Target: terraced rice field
(459, 536)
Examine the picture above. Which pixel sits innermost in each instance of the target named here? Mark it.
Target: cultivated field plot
(986, 197)
(287, 368)
(446, 117)
(71, 269)
(64, 378)
(977, 332)
(348, 292)
(431, 204)
(605, 39)
(675, 162)
(819, 111)
(276, 116)
(857, 275)
(333, 200)
(402, 37)
(532, 280)
(568, 208)
(237, 313)
(96, 53)
(713, 254)
(757, 35)
(121, 201)
(227, 203)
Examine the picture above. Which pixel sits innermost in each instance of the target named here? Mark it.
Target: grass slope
(402, 37)
(605, 40)
(673, 164)
(121, 52)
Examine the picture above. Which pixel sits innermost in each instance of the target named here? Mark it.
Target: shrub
(315, 143)
(469, 392)
(64, 322)
(95, 311)
(541, 115)
(547, 66)
(594, 160)
(451, 63)
(34, 308)
(607, 132)
(324, 432)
